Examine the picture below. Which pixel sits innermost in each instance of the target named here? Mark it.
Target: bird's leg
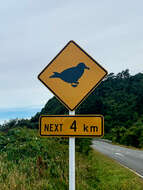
(74, 84)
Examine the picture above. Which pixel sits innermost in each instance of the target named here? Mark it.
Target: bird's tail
(55, 75)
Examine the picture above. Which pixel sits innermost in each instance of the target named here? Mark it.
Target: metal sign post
(72, 159)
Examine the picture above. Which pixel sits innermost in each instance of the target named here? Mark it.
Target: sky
(32, 32)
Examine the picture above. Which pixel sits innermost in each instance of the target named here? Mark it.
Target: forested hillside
(119, 98)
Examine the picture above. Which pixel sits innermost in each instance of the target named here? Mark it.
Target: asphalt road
(132, 159)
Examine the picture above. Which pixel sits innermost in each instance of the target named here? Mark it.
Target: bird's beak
(87, 67)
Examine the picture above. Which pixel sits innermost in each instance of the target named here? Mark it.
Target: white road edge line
(123, 165)
(131, 170)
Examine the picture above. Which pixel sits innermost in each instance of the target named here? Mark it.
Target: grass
(111, 175)
(29, 162)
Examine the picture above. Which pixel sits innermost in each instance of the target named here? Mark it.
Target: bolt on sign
(65, 125)
(72, 75)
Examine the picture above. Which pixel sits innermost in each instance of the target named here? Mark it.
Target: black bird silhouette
(71, 75)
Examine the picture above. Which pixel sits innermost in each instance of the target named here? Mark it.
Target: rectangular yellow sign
(66, 125)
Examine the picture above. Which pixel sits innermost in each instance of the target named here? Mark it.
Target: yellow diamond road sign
(72, 75)
(65, 125)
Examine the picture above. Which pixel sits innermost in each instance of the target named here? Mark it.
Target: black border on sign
(88, 92)
(102, 125)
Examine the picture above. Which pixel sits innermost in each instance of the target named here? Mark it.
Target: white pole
(72, 159)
